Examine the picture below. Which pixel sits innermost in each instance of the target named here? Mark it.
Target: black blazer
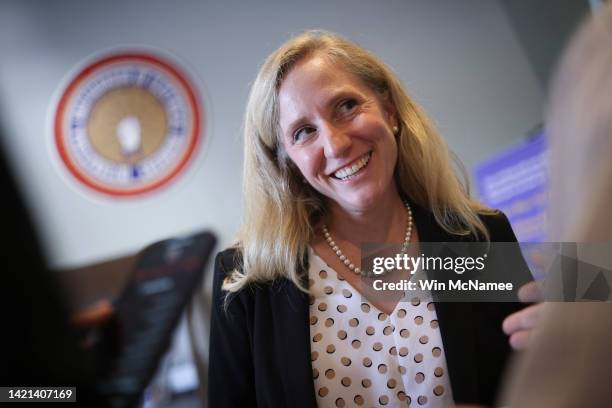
(260, 345)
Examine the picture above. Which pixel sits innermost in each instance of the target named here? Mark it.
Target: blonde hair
(280, 210)
(579, 122)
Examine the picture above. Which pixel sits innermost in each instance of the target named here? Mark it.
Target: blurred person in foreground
(336, 154)
(44, 343)
(569, 360)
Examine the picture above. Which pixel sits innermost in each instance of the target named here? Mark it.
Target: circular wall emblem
(127, 123)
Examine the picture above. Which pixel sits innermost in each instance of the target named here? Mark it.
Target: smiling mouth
(351, 171)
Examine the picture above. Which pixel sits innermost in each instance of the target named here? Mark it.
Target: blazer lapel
(292, 334)
(456, 321)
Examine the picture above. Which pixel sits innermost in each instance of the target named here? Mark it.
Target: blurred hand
(519, 325)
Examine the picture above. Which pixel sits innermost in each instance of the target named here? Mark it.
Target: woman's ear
(389, 109)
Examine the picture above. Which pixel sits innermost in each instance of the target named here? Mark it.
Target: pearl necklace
(346, 261)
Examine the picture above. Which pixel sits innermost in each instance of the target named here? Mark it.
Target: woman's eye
(302, 134)
(348, 105)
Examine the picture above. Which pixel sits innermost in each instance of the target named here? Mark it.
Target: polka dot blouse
(364, 357)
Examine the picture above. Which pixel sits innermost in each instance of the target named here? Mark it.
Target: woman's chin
(360, 201)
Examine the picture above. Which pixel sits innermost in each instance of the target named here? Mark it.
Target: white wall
(459, 58)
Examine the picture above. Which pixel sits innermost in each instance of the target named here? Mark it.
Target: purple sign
(516, 182)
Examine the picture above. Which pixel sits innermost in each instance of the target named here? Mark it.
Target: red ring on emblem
(82, 76)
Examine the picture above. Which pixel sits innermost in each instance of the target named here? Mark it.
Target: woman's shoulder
(494, 220)
(229, 259)
(498, 225)
(229, 262)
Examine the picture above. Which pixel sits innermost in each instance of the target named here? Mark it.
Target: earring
(395, 130)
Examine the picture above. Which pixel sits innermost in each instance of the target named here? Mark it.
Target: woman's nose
(336, 141)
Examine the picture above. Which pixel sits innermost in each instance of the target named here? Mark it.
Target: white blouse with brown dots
(363, 357)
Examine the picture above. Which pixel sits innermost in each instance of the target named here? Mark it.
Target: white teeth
(347, 172)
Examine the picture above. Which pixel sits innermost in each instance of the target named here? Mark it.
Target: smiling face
(339, 133)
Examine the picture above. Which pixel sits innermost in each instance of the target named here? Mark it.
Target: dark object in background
(148, 311)
(41, 348)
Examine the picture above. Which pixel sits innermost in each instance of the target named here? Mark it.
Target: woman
(336, 153)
